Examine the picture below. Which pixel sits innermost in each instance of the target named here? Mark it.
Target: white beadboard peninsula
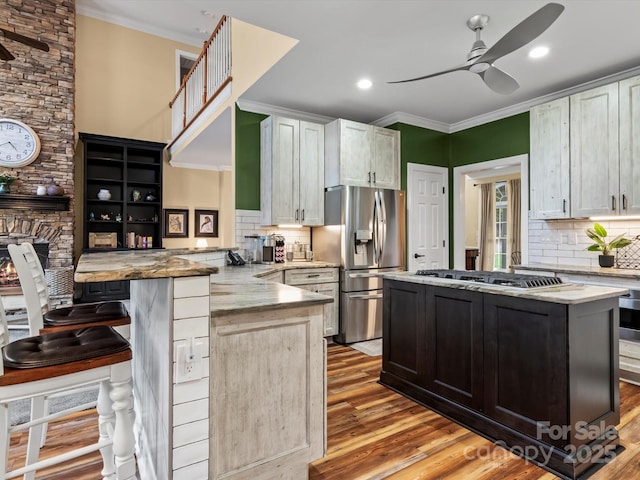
(257, 411)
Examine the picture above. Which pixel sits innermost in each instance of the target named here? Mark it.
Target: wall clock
(19, 144)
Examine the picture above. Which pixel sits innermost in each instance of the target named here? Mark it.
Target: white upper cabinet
(549, 160)
(361, 155)
(594, 152)
(629, 91)
(291, 172)
(386, 158)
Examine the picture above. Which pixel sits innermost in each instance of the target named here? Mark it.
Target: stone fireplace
(38, 89)
(9, 281)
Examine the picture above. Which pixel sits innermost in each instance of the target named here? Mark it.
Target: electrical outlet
(188, 360)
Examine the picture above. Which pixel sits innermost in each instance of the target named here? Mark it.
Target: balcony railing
(210, 74)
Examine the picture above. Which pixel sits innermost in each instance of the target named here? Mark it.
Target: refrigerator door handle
(379, 222)
(383, 225)
(376, 234)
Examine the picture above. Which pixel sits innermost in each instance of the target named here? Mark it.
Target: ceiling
(344, 40)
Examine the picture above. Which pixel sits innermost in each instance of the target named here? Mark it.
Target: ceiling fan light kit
(480, 59)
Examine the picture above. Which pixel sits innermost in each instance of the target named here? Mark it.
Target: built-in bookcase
(122, 202)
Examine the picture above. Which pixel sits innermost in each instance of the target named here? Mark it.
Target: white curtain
(487, 225)
(513, 222)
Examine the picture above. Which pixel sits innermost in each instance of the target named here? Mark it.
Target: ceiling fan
(6, 55)
(480, 59)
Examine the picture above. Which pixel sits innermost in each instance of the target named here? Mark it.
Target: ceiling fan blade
(464, 66)
(499, 81)
(22, 39)
(5, 54)
(523, 33)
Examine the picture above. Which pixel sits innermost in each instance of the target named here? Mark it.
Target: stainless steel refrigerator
(364, 232)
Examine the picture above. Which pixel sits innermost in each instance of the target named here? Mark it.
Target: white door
(427, 217)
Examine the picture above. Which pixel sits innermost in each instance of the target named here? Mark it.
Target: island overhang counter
(257, 408)
(536, 371)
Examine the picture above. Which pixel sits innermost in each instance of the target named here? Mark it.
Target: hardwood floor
(375, 433)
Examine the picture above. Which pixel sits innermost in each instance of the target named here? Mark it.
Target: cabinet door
(594, 152)
(311, 184)
(454, 345)
(549, 160)
(284, 172)
(386, 158)
(404, 332)
(330, 309)
(355, 153)
(525, 362)
(630, 145)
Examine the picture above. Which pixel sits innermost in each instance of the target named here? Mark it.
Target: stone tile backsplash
(248, 223)
(564, 242)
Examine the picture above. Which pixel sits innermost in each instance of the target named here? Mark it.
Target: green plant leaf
(594, 248)
(600, 230)
(619, 242)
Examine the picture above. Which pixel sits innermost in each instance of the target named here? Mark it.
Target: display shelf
(120, 165)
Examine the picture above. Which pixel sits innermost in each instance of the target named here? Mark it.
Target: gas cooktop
(493, 278)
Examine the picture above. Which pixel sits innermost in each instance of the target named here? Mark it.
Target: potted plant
(5, 182)
(599, 235)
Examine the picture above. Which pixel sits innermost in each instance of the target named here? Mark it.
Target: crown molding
(266, 109)
(128, 23)
(415, 120)
(526, 106)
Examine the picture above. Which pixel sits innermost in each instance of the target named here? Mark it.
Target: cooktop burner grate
(493, 278)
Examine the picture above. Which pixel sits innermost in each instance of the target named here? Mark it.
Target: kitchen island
(534, 370)
(250, 405)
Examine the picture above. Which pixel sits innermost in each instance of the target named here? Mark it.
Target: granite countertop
(135, 265)
(240, 289)
(629, 274)
(233, 289)
(567, 293)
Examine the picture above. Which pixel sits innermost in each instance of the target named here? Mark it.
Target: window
(500, 250)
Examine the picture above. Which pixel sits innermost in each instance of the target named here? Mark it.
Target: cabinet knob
(613, 203)
(624, 201)
(415, 255)
(374, 177)
(564, 206)
(297, 214)
(369, 177)
(302, 215)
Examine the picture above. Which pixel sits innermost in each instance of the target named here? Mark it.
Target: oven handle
(629, 303)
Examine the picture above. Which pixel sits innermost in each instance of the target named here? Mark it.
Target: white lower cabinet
(323, 281)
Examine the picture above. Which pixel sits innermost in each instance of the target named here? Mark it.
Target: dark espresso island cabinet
(535, 371)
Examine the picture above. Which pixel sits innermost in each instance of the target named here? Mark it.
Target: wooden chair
(36, 366)
(42, 319)
(42, 316)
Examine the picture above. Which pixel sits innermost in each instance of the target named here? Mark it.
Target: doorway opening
(463, 208)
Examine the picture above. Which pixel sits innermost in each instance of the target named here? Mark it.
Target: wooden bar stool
(39, 365)
(42, 319)
(42, 316)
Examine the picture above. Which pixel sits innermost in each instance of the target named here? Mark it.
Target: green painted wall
(248, 159)
(500, 139)
(420, 145)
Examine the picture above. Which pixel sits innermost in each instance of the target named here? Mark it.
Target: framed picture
(176, 223)
(206, 223)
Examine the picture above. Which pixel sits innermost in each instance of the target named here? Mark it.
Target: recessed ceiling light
(207, 13)
(364, 84)
(538, 52)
